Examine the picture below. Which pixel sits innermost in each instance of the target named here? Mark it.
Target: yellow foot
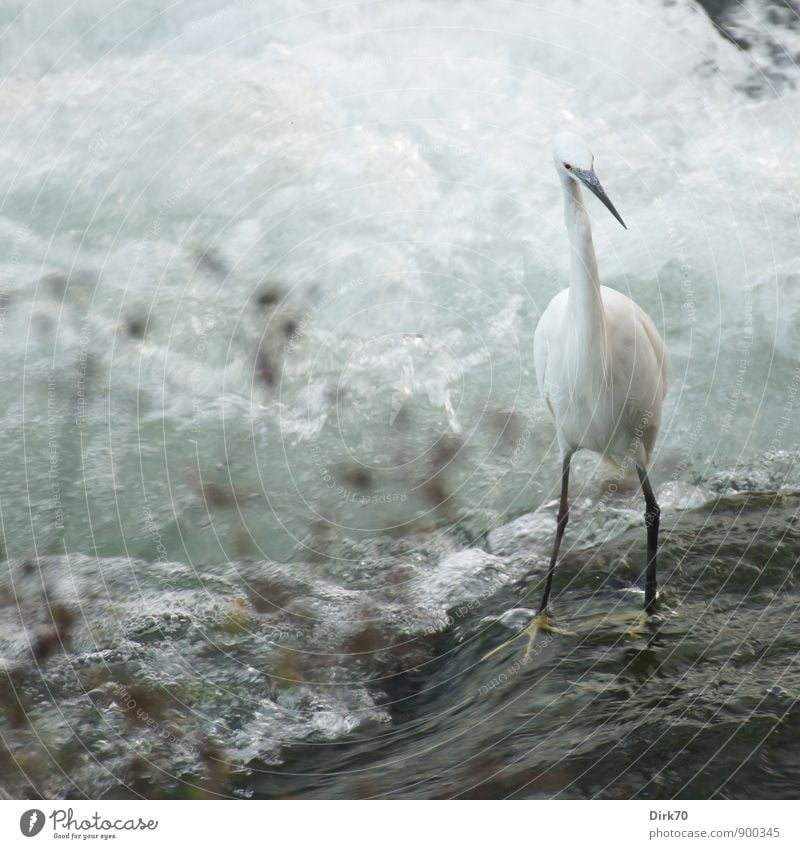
(540, 622)
(641, 626)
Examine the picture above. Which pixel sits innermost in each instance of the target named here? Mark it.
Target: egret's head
(574, 161)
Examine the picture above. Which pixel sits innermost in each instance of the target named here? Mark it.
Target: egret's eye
(568, 166)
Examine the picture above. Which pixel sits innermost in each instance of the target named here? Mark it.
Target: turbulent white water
(385, 171)
(271, 271)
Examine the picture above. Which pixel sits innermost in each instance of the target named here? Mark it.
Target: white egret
(600, 364)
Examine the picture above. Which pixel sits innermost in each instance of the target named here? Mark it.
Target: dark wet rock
(281, 671)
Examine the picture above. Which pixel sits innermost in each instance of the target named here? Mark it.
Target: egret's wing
(541, 357)
(545, 342)
(659, 348)
(620, 311)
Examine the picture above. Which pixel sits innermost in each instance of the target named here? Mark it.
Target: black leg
(563, 518)
(652, 515)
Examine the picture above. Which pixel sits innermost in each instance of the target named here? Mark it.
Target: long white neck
(586, 303)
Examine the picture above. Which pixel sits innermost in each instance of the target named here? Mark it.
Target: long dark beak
(589, 179)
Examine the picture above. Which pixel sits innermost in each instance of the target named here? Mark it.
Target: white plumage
(603, 374)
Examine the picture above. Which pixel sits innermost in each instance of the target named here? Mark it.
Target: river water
(276, 474)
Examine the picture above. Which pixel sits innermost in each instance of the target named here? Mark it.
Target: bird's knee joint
(562, 521)
(652, 515)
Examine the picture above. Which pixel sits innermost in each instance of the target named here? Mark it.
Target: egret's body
(606, 395)
(600, 364)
